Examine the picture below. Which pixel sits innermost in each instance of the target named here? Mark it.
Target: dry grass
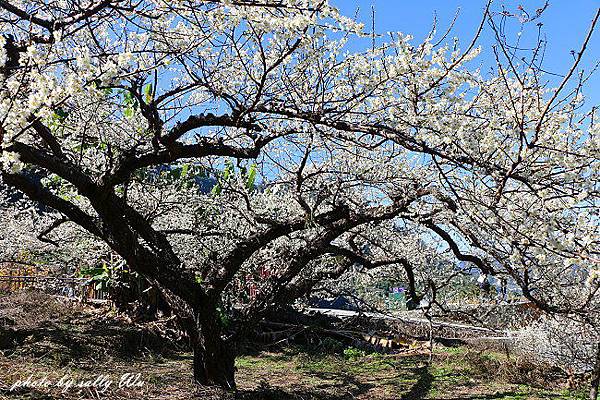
(32, 309)
(83, 343)
(290, 374)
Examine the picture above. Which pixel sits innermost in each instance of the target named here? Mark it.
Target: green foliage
(141, 174)
(130, 103)
(183, 176)
(61, 187)
(100, 275)
(185, 170)
(331, 345)
(248, 175)
(352, 353)
(148, 94)
(106, 276)
(224, 319)
(228, 171)
(60, 114)
(251, 177)
(56, 121)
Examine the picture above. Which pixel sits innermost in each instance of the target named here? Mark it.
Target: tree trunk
(595, 375)
(214, 359)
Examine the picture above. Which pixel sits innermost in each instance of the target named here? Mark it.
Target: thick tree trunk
(596, 375)
(214, 359)
(214, 364)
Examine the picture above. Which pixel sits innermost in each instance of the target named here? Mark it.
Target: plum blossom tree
(312, 155)
(25, 244)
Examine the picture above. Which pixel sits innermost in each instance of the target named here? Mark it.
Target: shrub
(352, 353)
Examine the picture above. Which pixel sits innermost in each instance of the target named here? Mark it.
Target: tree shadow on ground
(510, 394)
(345, 387)
(423, 385)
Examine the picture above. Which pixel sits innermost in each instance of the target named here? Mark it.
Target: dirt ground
(54, 350)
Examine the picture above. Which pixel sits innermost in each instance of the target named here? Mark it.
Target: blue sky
(565, 24)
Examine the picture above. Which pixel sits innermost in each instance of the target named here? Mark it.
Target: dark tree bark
(214, 358)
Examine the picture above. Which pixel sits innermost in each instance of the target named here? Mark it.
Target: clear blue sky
(565, 24)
